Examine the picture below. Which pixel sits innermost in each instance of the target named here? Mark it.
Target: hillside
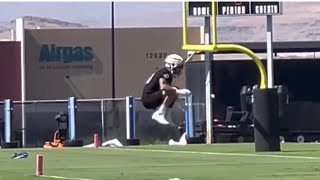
(32, 22)
(299, 22)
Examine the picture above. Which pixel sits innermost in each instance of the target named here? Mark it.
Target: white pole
(20, 37)
(208, 82)
(12, 35)
(270, 52)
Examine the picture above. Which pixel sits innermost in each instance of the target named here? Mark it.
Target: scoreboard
(257, 8)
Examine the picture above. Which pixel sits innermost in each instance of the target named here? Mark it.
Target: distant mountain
(300, 22)
(32, 22)
(4, 29)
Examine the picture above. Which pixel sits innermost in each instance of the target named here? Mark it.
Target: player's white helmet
(174, 63)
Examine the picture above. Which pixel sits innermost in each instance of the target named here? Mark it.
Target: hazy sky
(126, 13)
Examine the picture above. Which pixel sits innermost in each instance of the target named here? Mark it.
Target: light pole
(113, 51)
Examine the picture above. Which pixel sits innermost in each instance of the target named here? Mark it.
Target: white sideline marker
(61, 177)
(219, 153)
(40, 170)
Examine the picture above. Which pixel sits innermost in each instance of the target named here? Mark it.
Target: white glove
(184, 92)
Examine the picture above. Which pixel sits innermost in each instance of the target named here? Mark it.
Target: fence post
(72, 112)
(189, 116)
(130, 117)
(8, 115)
(102, 107)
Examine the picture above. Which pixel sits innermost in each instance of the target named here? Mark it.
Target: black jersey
(152, 84)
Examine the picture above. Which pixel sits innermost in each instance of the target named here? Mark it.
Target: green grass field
(162, 162)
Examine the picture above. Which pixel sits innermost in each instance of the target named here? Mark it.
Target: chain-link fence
(35, 121)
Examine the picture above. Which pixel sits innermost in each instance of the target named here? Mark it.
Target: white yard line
(61, 177)
(219, 153)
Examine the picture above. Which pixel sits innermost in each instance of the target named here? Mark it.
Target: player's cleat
(182, 140)
(159, 116)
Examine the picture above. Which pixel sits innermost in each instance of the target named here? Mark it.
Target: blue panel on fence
(189, 116)
(131, 117)
(72, 112)
(7, 120)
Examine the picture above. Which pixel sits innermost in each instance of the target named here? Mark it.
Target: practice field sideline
(191, 162)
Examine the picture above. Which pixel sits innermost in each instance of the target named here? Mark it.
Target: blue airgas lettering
(67, 54)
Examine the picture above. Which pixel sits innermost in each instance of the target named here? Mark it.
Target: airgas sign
(65, 54)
